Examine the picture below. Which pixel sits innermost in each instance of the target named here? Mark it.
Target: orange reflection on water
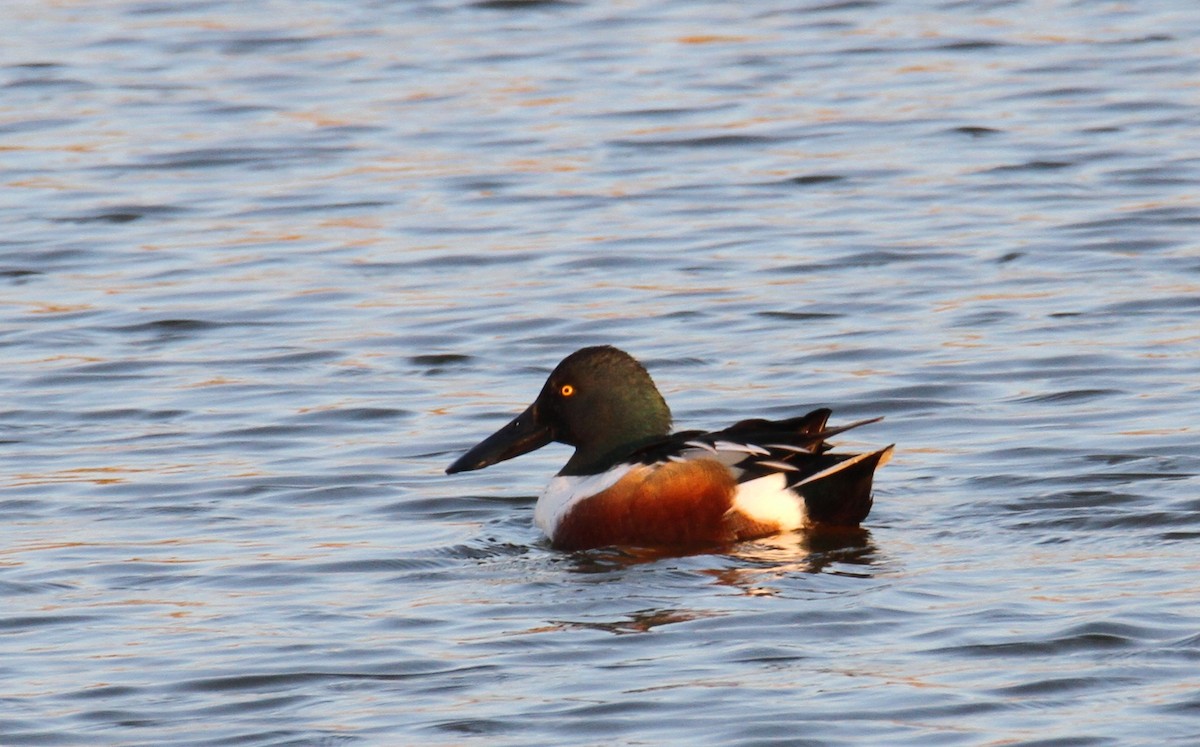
(713, 39)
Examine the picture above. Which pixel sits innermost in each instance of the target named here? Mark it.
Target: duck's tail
(837, 487)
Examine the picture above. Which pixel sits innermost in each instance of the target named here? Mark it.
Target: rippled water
(267, 268)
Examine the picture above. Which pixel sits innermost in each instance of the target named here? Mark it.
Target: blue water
(267, 269)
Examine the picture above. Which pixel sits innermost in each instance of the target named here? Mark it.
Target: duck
(632, 482)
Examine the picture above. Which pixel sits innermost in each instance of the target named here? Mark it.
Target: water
(267, 268)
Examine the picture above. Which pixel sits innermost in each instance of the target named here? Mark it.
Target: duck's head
(599, 400)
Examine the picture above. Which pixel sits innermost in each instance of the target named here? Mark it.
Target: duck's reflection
(642, 621)
(752, 567)
(845, 552)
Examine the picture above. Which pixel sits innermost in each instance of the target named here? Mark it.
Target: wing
(754, 448)
(836, 488)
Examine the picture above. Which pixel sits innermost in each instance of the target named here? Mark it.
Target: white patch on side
(564, 491)
(767, 499)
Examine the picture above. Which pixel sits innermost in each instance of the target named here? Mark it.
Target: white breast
(564, 491)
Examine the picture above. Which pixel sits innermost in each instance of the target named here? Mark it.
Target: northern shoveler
(632, 482)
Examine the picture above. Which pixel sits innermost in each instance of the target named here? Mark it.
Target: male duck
(632, 482)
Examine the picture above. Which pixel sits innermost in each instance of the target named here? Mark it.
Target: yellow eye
(567, 390)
